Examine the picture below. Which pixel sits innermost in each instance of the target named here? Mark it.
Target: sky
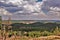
(30, 9)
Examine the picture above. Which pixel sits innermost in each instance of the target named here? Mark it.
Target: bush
(45, 33)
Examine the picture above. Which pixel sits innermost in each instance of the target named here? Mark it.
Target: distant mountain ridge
(37, 26)
(33, 21)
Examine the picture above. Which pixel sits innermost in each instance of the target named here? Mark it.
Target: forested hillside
(37, 26)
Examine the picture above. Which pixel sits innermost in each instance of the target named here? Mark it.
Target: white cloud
(57, 9)
(4, 12)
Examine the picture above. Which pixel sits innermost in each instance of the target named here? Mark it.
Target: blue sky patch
(39, 0)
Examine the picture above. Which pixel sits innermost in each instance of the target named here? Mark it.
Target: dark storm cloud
(14, 9)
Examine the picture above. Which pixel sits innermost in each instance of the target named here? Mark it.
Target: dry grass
(29, 38)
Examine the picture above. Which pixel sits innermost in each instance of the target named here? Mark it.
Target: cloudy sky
(30, 9)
